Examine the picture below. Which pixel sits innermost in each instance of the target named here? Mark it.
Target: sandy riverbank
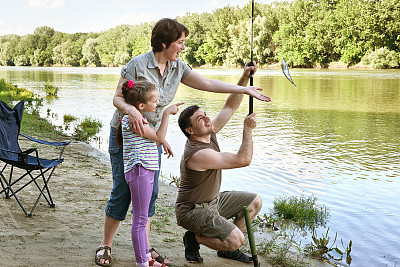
(68, 234)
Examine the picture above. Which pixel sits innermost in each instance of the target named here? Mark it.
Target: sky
(70, 16)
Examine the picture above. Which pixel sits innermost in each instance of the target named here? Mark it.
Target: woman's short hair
(166, 31)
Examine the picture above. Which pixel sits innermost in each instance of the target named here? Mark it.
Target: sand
(69, 234)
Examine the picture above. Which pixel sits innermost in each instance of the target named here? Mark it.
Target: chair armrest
(29, 151)
(45, 142)
(21, 156)
(63, 144)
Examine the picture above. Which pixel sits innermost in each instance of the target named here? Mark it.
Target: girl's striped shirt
(137, 149)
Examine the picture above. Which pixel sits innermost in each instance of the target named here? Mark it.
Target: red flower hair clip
(130, 84)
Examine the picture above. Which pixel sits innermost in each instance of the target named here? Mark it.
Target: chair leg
(1, 181)
(51, 203)
(7, 187)
(13, 194)
(41, 189)
(47, 188)
(9, 182)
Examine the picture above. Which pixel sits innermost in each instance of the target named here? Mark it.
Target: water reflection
(337, 136)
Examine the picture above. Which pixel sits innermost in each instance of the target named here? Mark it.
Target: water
(337, 136)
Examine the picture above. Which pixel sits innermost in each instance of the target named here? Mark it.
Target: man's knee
(256, 204)
(234, 240)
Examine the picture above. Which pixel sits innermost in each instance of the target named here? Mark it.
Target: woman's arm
(195, 80)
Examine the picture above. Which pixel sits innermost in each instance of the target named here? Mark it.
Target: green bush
(87, 128)
(69, 118)
(51, 90)
(10, 92)
(382, 58)
(303, 211)
(351, 54)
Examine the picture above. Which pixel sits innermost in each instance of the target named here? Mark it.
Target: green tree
(198, 27)
(43, 55)
(265, 26)
(291, 36)
(240, 48)
(68, 53)
(138, 38)
(26, 47)
(382, 58)
(218, 40)
(389, 21)
(5, 54)
(89, 52)
(109, 42)
(304, 32)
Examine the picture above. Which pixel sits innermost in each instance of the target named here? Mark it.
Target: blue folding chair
(34, 168)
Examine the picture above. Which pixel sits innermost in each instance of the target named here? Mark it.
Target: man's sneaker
(192, 248)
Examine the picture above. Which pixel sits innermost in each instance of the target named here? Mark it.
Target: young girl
(140, 155)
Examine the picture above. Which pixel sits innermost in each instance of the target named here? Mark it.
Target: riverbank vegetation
(292, 219)
(307, 33)
(50, 89)
(33, 124)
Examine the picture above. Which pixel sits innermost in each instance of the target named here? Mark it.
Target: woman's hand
(254, 92)
(249, 69)
(136, 121)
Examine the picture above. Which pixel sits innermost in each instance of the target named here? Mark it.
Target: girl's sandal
(155, 263)
(159, 258)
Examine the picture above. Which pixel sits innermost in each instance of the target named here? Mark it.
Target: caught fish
(285, 70)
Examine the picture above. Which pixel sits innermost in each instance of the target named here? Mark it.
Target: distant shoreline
(277, 65)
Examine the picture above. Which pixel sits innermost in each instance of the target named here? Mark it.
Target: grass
(281, 252)
(10, 92)
(301, 210)
(322, 248)
(172, 179)
(32, 124)
(69, 118)
(35, 126)
(87, 129)
(299, 213)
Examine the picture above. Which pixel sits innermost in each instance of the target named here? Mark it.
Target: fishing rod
(245, 208)
(251, 237)
(251, 57)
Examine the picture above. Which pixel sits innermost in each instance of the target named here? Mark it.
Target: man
(200, 207)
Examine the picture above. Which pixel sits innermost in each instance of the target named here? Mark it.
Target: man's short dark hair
(166, 31)
(184, 118)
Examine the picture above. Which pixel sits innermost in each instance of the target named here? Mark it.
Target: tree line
(304, 32)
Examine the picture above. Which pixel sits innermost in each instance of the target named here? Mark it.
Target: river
(336, 136)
